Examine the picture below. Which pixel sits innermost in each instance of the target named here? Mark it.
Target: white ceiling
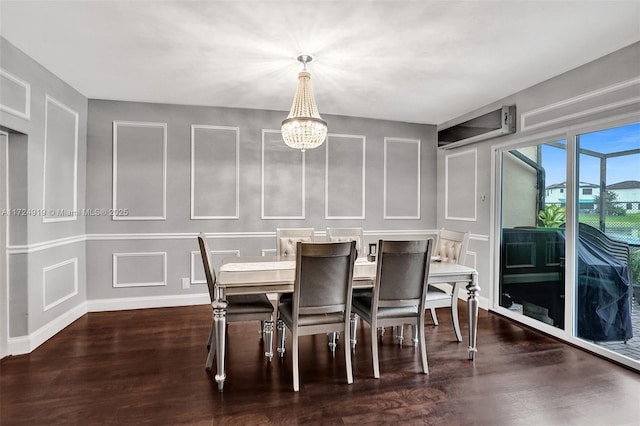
(413, 61)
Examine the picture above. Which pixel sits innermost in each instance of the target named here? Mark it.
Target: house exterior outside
(627, 195)
(557, 194)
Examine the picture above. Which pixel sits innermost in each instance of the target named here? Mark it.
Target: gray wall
(244, 144)
(600, 90)
(46, 120)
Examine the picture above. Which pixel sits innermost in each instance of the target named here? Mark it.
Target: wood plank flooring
(147, 367)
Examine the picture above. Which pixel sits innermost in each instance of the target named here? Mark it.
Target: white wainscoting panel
(147, 269)
(139, 170)
(60, 162)
(345, 176)
(402, 163)
(215, 172)
(283, 178)
(461, 186)
(16, 95)
(59, 283)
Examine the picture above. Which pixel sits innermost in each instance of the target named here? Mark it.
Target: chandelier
(304, 128)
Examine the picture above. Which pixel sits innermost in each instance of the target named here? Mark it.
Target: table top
(279, 272)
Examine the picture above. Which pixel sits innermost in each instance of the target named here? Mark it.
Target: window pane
(608, 263)
(533, 241)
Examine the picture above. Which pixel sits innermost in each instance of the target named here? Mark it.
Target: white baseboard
(126, 303)
(26, 344)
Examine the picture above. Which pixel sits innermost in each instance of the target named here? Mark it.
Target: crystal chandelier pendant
(304, 128)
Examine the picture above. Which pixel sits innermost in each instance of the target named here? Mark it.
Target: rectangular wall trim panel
(139, 171)
(147, 269)
(401, 192)
(217, 256)
(461, 186)
(594, 102)
(59, 283)
(60, 162)
(16, 95)
(281, 164)
(345, 176)
(215, 172)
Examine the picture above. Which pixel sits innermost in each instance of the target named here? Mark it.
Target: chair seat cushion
(248, 304)
(434, 293)
(362, 306)
(285, 312)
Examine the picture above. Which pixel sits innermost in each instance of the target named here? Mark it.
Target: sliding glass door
(532, 249)
(569, 238)
(608, 240)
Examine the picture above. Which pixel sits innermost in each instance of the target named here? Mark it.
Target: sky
(605, 141)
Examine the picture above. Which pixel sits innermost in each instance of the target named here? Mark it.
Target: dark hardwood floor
(147, 366)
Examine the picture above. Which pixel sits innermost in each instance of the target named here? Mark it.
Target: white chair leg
(268, 341)
(296, 376)
(414, 335)
(434, 317)
(347, 356)
(353, 330)
(423, 345)
(332, 342)
(374, 351)
(456, 321)
(399, 334)
(281, 337)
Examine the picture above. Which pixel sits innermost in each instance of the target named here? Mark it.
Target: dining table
(276, 274)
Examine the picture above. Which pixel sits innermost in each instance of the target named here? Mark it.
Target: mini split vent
(493, 124)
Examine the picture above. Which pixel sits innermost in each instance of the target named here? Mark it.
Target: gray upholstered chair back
(403, 269)
(451, 246)
(346, 234)
(324, 277)
(286, 239)
(209, 273)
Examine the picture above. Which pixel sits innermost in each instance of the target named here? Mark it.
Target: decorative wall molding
(196, 254)
(358, 173)
(118, 211)
(386, 190)
(45, 245)
(57, 214)
(454, 185)
(319, 235)
(214, 185)
(74, 264)
(26, 113)
(590, 103)
(118, 284)
(286, 200)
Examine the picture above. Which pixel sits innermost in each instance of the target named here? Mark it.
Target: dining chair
(398, 294)
(450, 247)
(321, 300)
(286, 239)
(347, 234)
(239, 308)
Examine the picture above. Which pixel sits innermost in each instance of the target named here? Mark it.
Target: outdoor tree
(610, 207)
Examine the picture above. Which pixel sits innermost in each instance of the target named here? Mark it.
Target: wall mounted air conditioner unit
(495, 123)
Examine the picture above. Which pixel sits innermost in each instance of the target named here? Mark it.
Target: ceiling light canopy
(304, 128)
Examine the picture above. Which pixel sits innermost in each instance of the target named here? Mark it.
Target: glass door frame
(569, 133)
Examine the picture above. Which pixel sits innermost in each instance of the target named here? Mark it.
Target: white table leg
(472, 306)
(220, 326)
